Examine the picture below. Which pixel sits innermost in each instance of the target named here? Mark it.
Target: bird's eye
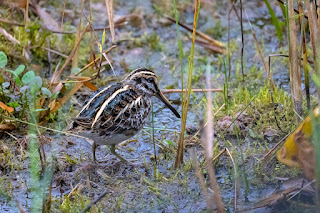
(150, 80)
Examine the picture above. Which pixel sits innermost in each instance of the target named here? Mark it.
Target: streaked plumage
(117, 112)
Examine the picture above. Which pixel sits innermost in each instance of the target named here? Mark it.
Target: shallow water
(140, 189)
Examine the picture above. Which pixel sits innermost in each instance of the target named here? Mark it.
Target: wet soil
(155, 186)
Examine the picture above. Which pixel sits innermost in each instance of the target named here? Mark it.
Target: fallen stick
(95, 201)
(193, 90)
(198, 33)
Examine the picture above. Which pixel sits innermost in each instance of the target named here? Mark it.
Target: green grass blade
(275, 20)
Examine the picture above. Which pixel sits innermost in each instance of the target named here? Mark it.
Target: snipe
(117, 112)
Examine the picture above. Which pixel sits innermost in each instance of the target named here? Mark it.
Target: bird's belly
(113, 139)
(108, 139)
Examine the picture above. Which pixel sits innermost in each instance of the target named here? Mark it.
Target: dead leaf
(66, 97)
(5, 107)
(7, 127)
(90, 86)
(52, 105)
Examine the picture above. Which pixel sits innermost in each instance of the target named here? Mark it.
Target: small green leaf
(28, 77)
(46, 92)
(13, 104)
(3, 59)
(75, 70)
(36, 83)
(39, 110)
(103, 37)
(275, 20)
(55, 95)
(19, 70)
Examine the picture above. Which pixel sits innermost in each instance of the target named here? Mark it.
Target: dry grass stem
(66, 97)
(95, 60)
(56, 75)
(218, 155)
(95, 201)
(54, 51)
(208, 45)
(186, 95)
(295, 75)
(62, 15)
(75, 58)
(314, 34)
(207, 141)
(272, 151)
(304, 53)
(269, 75)
(11, 23)
(26, 17)
(109, 5)
(199, 174)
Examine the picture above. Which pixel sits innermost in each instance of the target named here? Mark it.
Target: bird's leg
(113, 151)
(94, 146)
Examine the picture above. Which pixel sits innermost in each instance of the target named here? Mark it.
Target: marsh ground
(150, 40)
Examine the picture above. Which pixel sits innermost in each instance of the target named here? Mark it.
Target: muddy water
(138, 189)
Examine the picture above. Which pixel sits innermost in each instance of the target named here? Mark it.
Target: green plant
(277, 24)
(26, 89)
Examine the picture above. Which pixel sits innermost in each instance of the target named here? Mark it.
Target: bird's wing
(107, 109)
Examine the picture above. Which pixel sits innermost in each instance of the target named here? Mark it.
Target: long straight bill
(167, 103)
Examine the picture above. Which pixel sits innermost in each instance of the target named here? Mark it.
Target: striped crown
(144, 80)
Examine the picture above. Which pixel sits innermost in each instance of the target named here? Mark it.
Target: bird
(119, 111)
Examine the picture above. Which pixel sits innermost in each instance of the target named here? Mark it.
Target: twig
(88, 30)
(287, 56)
(198, 33)
(46, 128)
(95, 60)
(218, 155)
(54, 51)
(266, 156)
(11, 23)
(166, 91)
(208, 45)
(9, 36)
(308, 184)
(95, 201)
(73, 189)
